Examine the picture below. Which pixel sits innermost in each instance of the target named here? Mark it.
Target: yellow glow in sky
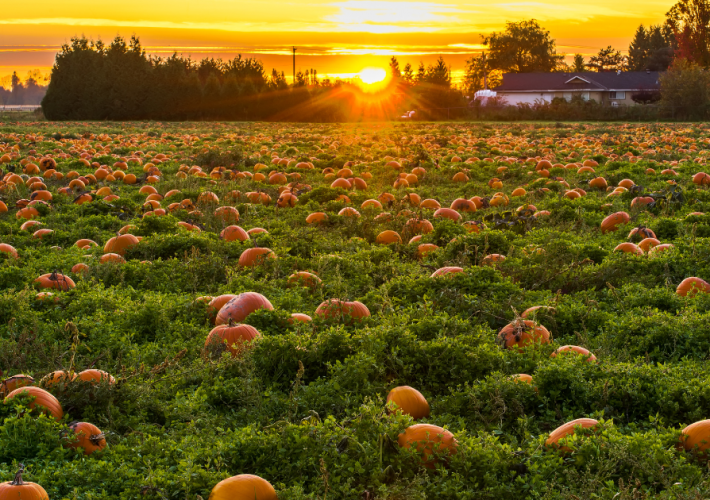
(333, 36)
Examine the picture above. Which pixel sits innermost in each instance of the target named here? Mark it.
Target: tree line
(119, 81)
(15, 92)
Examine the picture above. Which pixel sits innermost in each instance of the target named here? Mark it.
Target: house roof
(587, 81)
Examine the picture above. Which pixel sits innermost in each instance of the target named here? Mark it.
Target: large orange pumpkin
(243, 487)
(428, 440)
(241, 306)
(43, 401)
(409, 401)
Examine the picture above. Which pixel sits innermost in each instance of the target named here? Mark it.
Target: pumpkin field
(357, 311)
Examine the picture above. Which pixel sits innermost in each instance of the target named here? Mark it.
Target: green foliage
(303, 405)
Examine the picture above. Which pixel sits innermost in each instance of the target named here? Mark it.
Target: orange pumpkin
(443, 271)
(255, 256)
(17, 489)
(574, 349)
(337, 309)
(241, 306)
(88, 437)
(613, 221)
(428, 440)
(43, 401)
(15, 382)
(409, 401)
(696, 437)
(388, 237)
(120, 243)
(96, 376)
(234, 233)
(55, 280)
(691, 286)
(243, 487)
(9, 250)
(521, 333)
(567, 430)
(304, 278)
(232, 335)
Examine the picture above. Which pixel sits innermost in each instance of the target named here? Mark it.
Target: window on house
(617, 95)
(567, 96)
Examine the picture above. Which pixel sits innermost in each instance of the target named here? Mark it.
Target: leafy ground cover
(521, 216)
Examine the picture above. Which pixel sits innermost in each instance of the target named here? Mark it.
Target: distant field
(380, 256)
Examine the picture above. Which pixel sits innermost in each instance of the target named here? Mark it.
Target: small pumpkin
(96, 376)
(574, 349)
(567, 430)
(243, 487)
(88, 437)
(304, 278)
(340, 309)
(409, 401)
(15, 382)
(521, 333)
(255, 256)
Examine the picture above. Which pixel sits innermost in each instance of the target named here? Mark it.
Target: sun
(370, 76)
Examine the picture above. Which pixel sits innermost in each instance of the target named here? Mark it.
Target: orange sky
(335, 37)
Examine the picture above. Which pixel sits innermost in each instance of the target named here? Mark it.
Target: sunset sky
(335, 37)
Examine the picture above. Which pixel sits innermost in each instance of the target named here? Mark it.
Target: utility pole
(294, 66)
(485, 71)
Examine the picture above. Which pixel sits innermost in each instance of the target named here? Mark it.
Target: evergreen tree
(421, 73)
(578, 64)
(394, 68)
(408, 74)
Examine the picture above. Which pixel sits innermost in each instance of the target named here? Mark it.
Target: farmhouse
(612, 88)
